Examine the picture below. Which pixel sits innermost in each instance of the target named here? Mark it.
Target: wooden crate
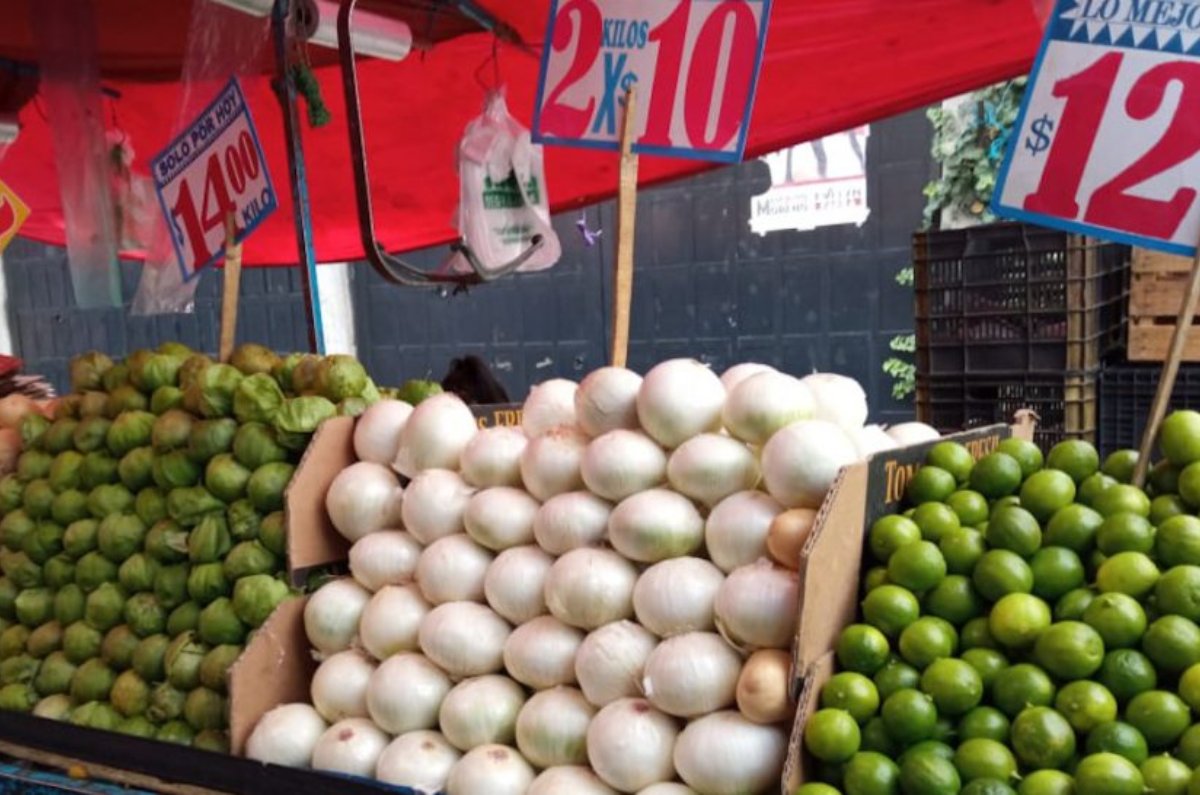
(1158, 285)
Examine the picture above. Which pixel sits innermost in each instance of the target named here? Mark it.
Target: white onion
(610, 662)
(764, 403)
(655, 525)
(339, 687)
(481, 710)
(907, 433)
(332, 613)
(550, 404)
(762, 688)
(667, 788)
(736, 530)
(286, 736)
(388, 557)
(871, 439)
(607, 400)
(692, 674)
(419, 760)
(550, 463)
(800, 462)
(756, 606)
(363, 498)
(405, 694)
(434, 503)
(725, 754)
(710, 467)
(679, 399)
(377, 431)
(515, 583)
(464, 639)
(552, 727)
(435, 435)
(501, 517)
(490, 770)
(350, 746)
(575, 779)
(390, 621)
(493, 457)
(839, 399)
(677, 595)
(541, 654)
(629, 744)
(621, 463)
(588, 588)
(735, 375)
(569, 521)
(452, 569)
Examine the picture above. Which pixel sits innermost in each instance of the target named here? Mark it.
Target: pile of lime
(1028, 625)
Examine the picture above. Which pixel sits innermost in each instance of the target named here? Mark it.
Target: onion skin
(540, 654)
(499, 695)
(725, 754)
(629, 744)
(603, 676)
(405, 694)
(588, 588)
(464, 639)
(490, 770)
(607, 400)
(390, 621)
(762, 687)
(420, 760)
(677, 596)
(621, 463)
(515, 583)
(801, 462)
(493, 457)
(351, 746)
(550, 404)
(377, 431)
(551, 463)
(339, 687)
(452, 569)
(692, 674)
(757, 607)
(434, 505)
(679, 399)
(574, 779)
(332, 614)
(789, 533)
(737, 528)
(435, 435)
(570, 521)
(286, 736)
(710, 467)
(655, 525)
(561, 714)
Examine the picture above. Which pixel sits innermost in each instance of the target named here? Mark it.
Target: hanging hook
(494, 61)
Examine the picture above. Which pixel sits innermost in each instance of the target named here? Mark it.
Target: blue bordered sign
(695, 65)
(214, 166)
(1108, 139)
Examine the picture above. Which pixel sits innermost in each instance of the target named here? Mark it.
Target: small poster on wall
(815, 184)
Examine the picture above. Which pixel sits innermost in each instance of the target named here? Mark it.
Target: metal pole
(297, 176)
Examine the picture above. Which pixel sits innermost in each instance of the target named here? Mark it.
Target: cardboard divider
(312, 539)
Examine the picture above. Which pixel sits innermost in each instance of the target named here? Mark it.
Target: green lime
(984, 758)
(1131, 573)
(927, 748)
(890, 608)
(927, 639)
(935, 520)
(926, 774)
(1018, 619)
(1069, 650)
(1179, 437)
(1122, 498)
(1164, 506)
(984, 722)
(1118, 618)
(875, 738)
(875, 577)
(1025, 452)
(986, 662)
(962, 549)
(832, 735)
(1118, 738)
(1056, 571)
(1011, 501)
(1189, 485)
(1188, 750)
(1000, 573)
(1044, 493)
(1095, 560)
(1086, 705)
(954, 599)
(909, 716)
(1042, 738)
(1160, 716)
(1178, 592)
(1165, 775)
(954, 685)
(896, 675)
(1189, 686)
(1108, 774)
(1072, 605)
(851, 692)
(970, 506)
(930, 484)
(953, 457)
(1014, 529)
(862, 648)
(1120, 465)
(987, 786)
(1127, 672)
(1092, 486)
(817, 788)
(1046, 782)
(870, 773)
(1178, 541)
(1172, 643)
(917, 567)
(1125, 532)
(1073, 527)
(1020, 686)
(889, 533)
(996, 475)
(1164, 477)
(1075, 457)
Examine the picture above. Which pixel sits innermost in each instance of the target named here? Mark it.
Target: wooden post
(232, 286)
(626, 216)
(1166, 382)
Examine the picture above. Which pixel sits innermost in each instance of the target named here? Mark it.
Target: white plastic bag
(502, 193)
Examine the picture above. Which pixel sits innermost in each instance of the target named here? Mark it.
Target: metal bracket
(391, 267)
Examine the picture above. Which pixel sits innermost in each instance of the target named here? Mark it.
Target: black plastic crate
(1126, 394)
(1065, 404)
(1016, 298)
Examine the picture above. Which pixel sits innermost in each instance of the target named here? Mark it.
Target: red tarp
(830, 65)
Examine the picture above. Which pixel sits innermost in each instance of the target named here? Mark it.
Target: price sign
(1108, 139)
(13, 213)
(215, 166)
(694, 64)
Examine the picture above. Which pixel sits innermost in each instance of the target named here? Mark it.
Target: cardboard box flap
(312, 539)
(795, 769)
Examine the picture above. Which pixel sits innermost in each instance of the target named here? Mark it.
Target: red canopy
(829, 65)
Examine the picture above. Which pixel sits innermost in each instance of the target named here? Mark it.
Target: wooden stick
(233, 285)
(1166, 382)
(626, 216)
